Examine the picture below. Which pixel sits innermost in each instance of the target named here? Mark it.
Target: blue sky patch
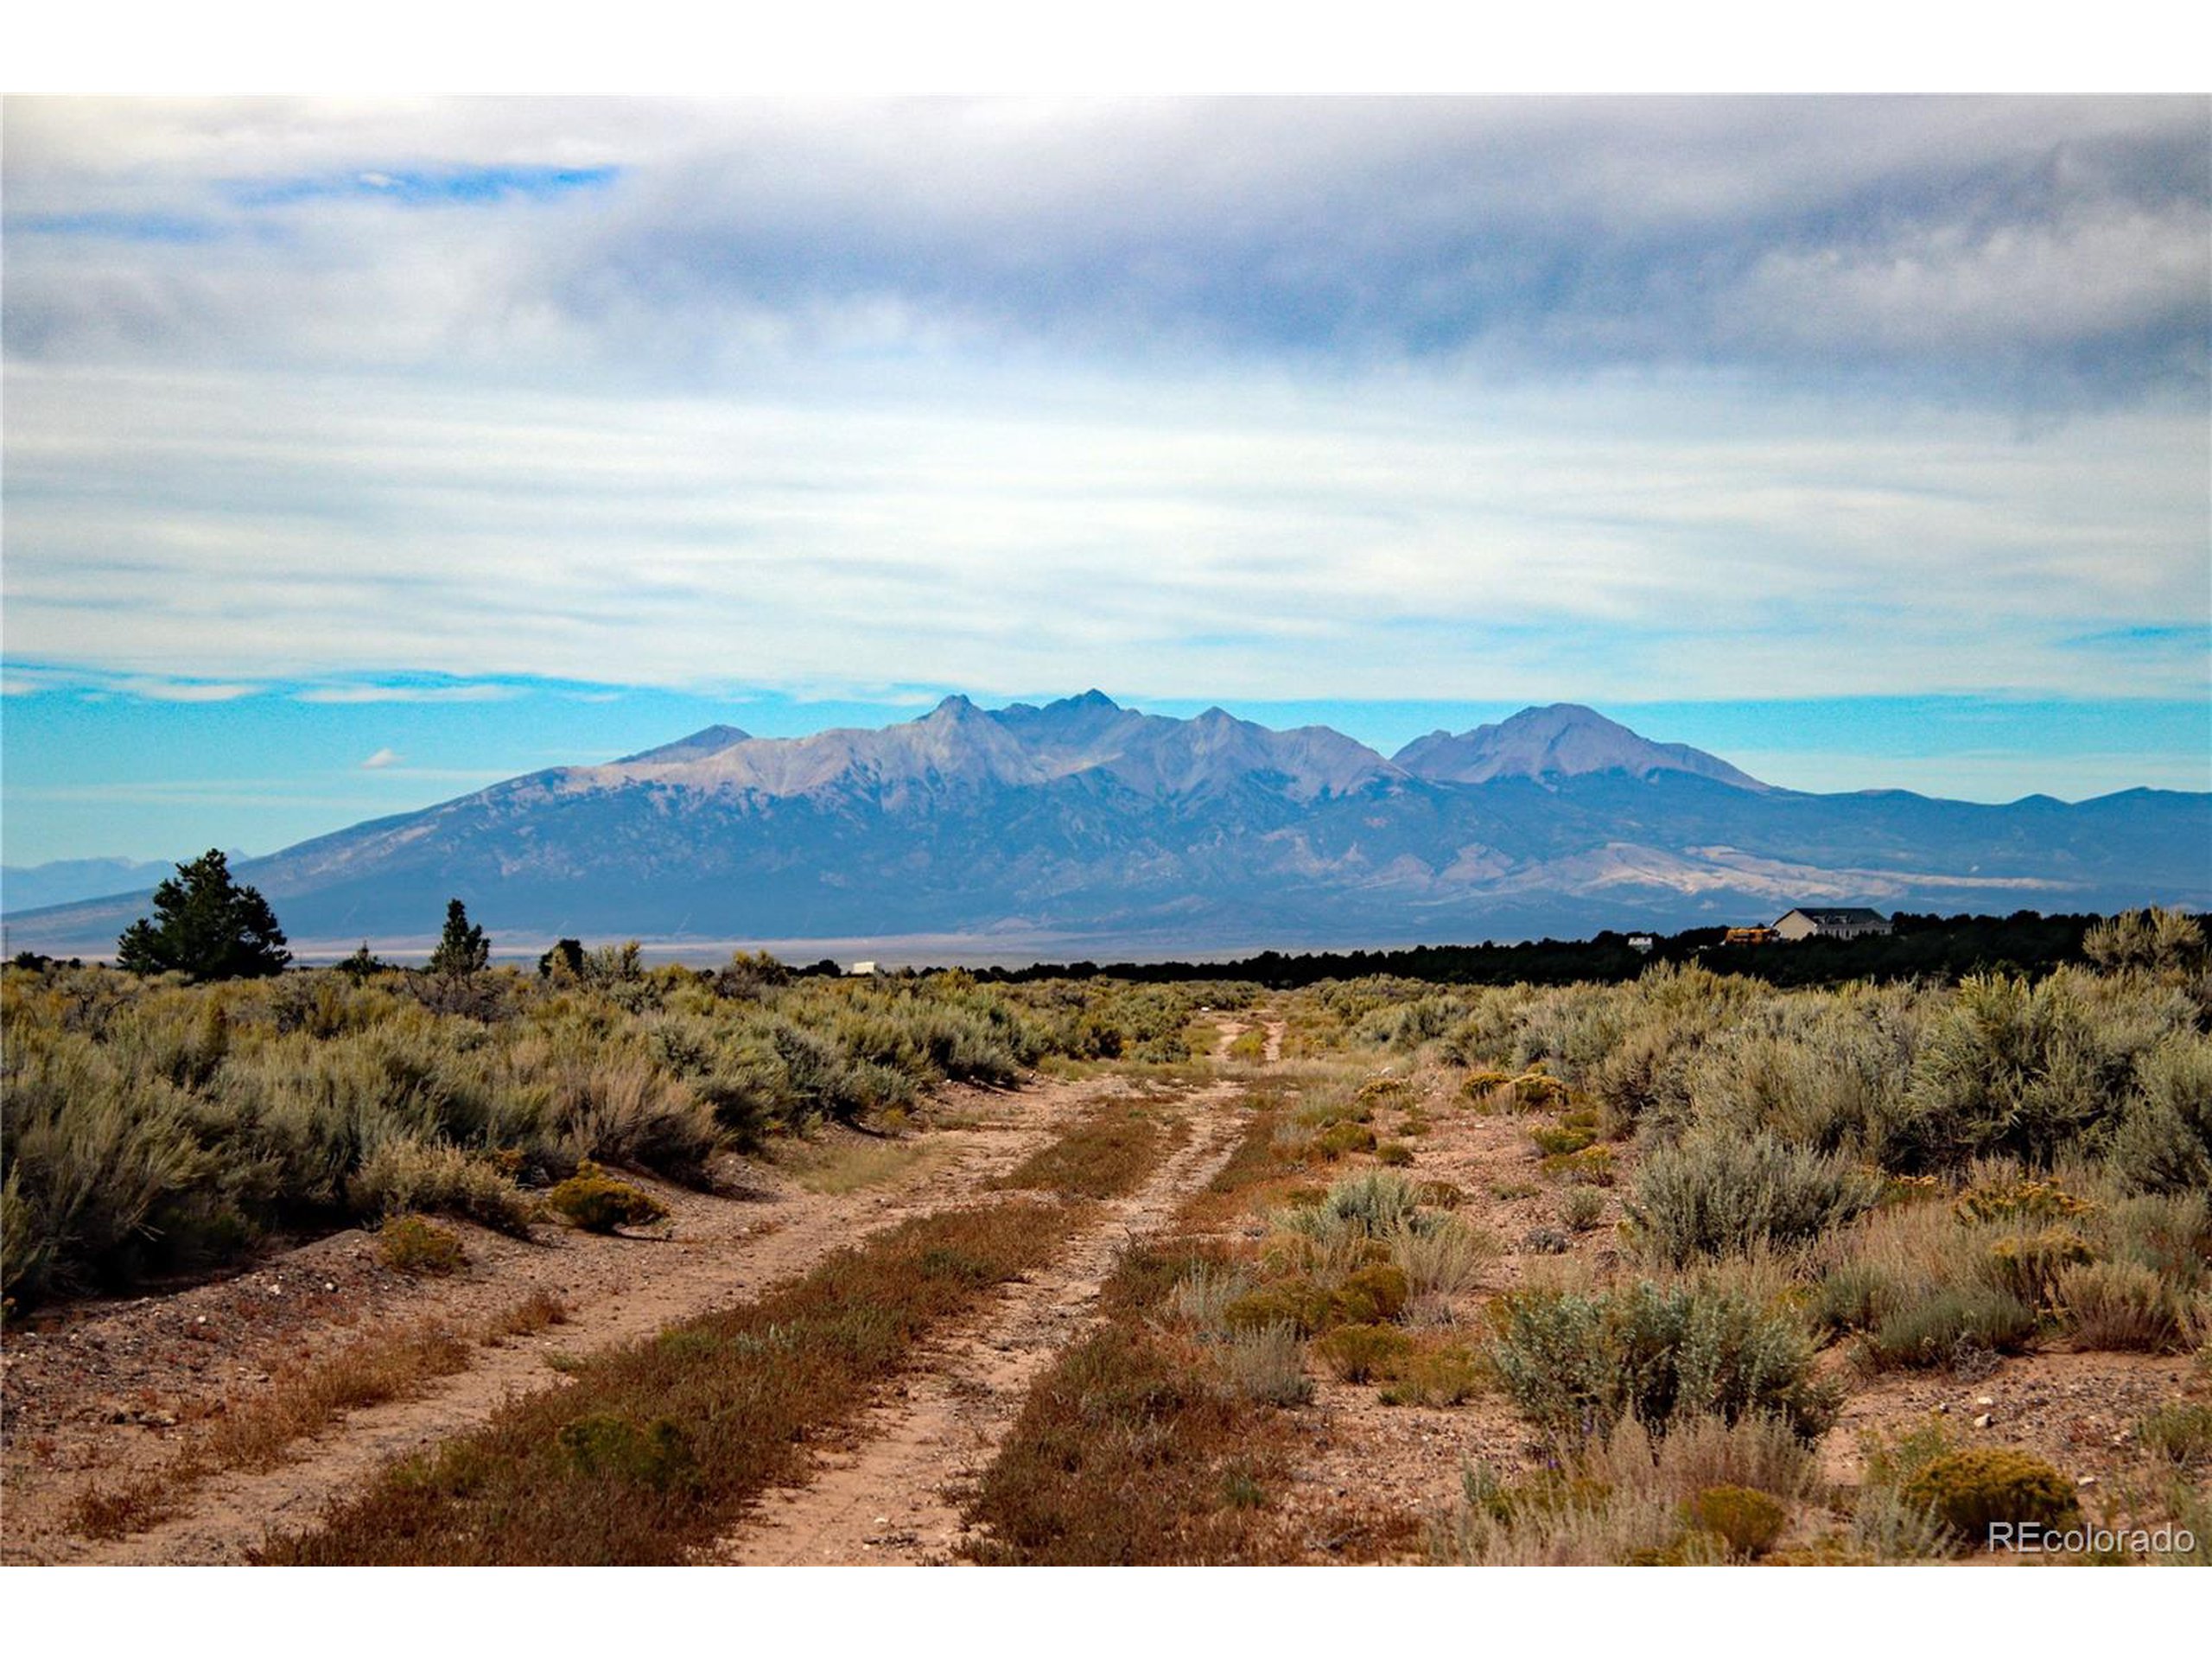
(424, 186)
(179, 228)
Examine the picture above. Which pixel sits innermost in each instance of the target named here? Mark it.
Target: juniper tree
(462, 950)
(206, 925)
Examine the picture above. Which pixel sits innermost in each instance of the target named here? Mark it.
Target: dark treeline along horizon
(1918, 946)
(1946, 947)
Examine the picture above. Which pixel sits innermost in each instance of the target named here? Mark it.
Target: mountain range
(1085, 824)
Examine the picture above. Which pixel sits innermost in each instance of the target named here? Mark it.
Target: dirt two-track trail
(893, 1499)
(882, 1497)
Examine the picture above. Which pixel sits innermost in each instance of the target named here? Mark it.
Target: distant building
(1641, 942)
(1830, 924)
(862, 968)
(1750, 936)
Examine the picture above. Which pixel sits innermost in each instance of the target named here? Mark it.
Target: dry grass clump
(256, 1433)
(304, 1399)
(652, 1448)
(1126, 1454)
(1444, 1257)
(1919, 1287)
(2011, 1261)
(853, 1166)
(1706, 1492)
(1107, 1155)
(537, 1312)
(2180, 1432)
(1267, 1364)
(1202, 1297)
(2124, 1306)
(1438, 1252)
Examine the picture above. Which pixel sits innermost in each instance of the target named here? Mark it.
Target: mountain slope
(1565, 740)
(1084, 820)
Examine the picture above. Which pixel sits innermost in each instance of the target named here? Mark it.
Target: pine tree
(462, 950)
(207, 927)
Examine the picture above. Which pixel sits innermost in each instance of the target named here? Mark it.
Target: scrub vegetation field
(607, 1264)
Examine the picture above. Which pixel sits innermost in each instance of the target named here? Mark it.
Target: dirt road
(891, 1496)
(114, 1394)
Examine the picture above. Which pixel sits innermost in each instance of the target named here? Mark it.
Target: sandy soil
(99, 1393)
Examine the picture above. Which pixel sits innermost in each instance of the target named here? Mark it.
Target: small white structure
(1831, 924)
(863, 969)
(1641, 942)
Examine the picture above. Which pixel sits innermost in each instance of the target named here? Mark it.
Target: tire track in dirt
(728, 1261)
(886, 1499)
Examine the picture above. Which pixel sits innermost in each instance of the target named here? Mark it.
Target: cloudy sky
(358, 453)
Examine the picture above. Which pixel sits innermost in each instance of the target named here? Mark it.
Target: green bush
(1558, 1142)
(654, 1455)
(412, 1245)
(1431, 1376)
(1356, 1353)
(597, 1203)
(2027, 1266)
(2164, 1143)
(2016, 1070)
(101, 1161)
(1591, 1167)
(1340, 1139)
(1371, 1205)
(1947, 1323)
(1973, 1488)
(1576, 1362)
(1534, 1091)
(2018, 1200)
(401, 1175)
(1747, 1520)
(1371, 1295)
(1303, 1307)
(1583, 1208)
(1715, 1194)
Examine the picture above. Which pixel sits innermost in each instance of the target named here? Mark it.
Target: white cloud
(162, 691)
(382, 758)
(1266, 399)
(479, 693)
(1252, 539)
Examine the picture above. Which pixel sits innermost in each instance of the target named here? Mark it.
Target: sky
(362, 452)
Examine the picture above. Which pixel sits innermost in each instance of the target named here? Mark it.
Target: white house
(863, 969)
(1831, 924)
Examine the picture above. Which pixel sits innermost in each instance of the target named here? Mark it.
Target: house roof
(1836, 918)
